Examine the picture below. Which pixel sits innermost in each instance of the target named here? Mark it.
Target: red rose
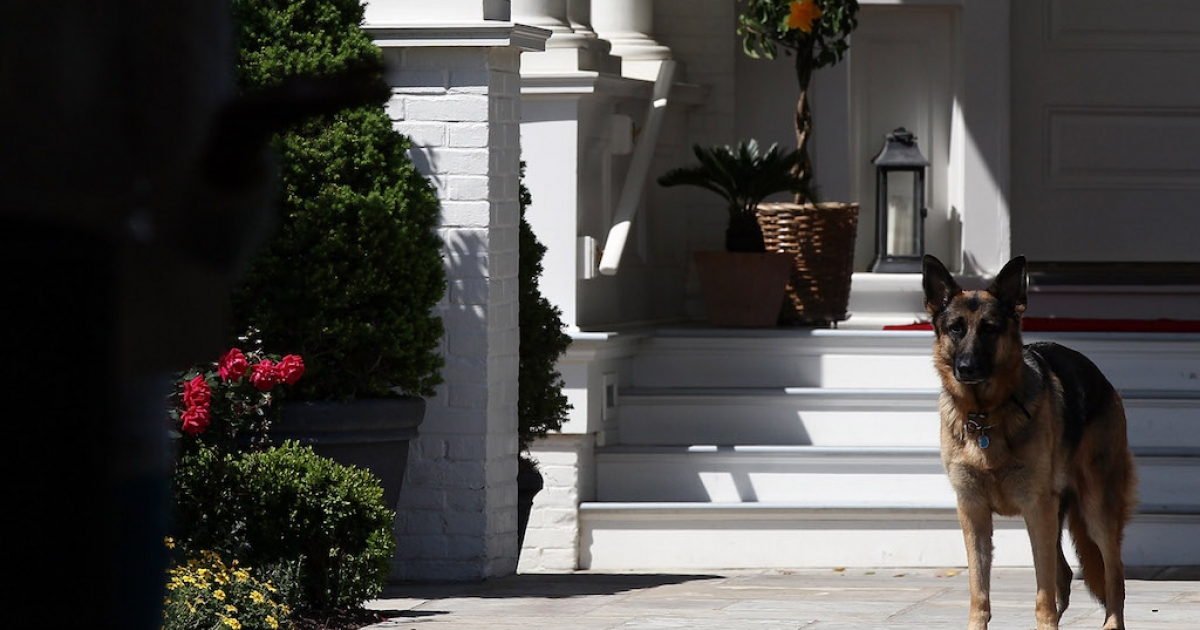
(195, 420)
(264, 375)
(232, 365)
(290, 368)
(196, 392)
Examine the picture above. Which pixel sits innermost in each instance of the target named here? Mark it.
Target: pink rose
(195, 420)
(290, 368)
(232, 365)
(264, 375)
(196, 392)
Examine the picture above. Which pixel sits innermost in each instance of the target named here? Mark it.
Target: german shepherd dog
(1035, 431)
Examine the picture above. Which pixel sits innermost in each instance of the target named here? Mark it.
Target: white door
(1106, 130)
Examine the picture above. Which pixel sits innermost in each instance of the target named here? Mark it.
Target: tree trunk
(803, 120)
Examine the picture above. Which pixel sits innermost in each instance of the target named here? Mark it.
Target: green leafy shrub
(205, 592)
(354, 270)
(541, 405)
(318, 529)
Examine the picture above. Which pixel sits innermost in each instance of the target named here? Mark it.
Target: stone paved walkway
(769, 600)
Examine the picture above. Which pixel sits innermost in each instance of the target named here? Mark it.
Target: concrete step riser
(698, 540)
(847, 359)
(843, 421)
(857, 480)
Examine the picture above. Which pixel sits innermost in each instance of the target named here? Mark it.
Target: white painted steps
(844, 417)
(857, 359)
(703, 536)
(779, 416)
(858, 477)
(801, 448)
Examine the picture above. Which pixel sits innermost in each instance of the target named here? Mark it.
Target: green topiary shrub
(350, 278)
(317, 529)
(541, 405)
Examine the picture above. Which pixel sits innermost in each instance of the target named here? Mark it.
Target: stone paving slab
(848, 599)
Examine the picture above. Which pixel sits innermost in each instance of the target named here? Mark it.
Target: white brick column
(456, 92)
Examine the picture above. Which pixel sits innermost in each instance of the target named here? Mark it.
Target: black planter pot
(371, 433)
(529, 483)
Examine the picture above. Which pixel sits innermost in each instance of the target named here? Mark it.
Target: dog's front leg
(976, 522)
(1041, 519)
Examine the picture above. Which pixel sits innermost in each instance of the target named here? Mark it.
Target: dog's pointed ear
(1011, 286)
(939, 285)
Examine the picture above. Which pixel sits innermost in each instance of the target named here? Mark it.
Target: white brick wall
(457, 518)
(552, 536)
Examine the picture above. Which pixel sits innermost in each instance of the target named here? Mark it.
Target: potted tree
(351, 275)
(821, 236)
(541, 405)
(744, 284)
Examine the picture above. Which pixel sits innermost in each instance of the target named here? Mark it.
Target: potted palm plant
(821, 236)
(743, 285)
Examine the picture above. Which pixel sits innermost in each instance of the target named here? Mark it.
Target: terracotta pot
(743, 289)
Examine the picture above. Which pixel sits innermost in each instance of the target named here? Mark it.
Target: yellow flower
(232, 623)
(219, 594)
(257, 597)
(273, 622)
(804, 13)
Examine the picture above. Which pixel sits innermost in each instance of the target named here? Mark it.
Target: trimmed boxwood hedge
(351, 276)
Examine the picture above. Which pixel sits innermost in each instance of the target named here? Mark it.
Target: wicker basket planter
(821, 239)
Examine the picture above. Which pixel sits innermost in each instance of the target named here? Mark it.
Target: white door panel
(1106, 130)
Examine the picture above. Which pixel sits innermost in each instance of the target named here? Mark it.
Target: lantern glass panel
(902, 212)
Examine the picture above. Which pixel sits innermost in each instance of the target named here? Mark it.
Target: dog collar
(974, 424)
(975, 420)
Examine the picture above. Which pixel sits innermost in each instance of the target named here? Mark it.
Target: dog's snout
(967, 368)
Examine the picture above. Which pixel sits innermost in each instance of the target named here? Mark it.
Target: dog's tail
(1090, 559)
(1102, 514)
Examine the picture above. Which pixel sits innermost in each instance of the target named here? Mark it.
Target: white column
(579, 14)
(457, 94)
(628, 25)
(550, 15)
(567, 50)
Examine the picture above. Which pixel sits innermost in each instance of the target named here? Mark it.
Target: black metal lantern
(899, 204)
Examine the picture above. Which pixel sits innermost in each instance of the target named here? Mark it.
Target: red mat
(1072, 324)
